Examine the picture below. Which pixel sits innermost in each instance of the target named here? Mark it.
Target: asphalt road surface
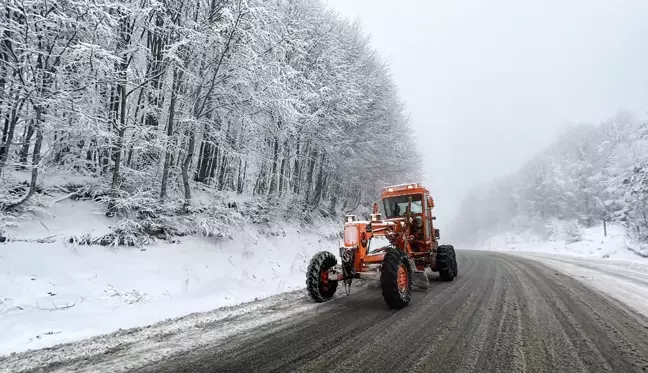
(502, 314)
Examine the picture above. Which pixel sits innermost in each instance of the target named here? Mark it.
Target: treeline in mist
(275, 98)
(590, 172)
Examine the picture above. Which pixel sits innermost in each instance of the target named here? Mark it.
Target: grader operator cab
(400, 265)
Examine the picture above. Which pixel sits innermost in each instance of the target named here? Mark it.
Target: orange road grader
(400, 265)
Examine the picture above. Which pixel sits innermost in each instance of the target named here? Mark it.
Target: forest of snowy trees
(589, 173)
(279, 99)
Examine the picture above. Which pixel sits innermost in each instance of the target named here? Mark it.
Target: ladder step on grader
(400, 265)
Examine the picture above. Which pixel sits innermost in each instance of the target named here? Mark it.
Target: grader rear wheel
(445, 262)
(453, 254)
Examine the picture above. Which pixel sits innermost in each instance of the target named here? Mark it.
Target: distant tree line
(589, 173)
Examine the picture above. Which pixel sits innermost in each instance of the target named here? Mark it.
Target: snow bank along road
(502, 314)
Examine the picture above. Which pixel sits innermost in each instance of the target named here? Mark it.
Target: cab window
(397, 206)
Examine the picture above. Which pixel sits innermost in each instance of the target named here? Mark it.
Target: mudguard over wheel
(396, 279)
(317, 284)
(445, 262)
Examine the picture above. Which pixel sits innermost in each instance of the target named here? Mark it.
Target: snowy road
(503, 313)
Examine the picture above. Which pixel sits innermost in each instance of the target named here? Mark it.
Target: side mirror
(437, 233)
(430, 202)
(376, 208)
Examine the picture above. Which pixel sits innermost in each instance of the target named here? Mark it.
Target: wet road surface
(502, 314)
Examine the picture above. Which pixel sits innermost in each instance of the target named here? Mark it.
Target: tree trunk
(129, 157)
(24, 151)
(36, 158)
(117, 149)
(10, 126)
(239, 180)
(213, 162)
(202, 162)
(297, 172)
(259, 186)
(282, 170)
(309, 176)
(167, 158)
(273, 173)
(224, 161)
(205, 157)
(185, 167)
(320, 182)
(222, 167)
(91, 155)
(104, 156)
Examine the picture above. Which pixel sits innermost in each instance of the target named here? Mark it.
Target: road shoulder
(624, 281)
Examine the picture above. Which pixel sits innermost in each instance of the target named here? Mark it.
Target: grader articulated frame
(400, 265)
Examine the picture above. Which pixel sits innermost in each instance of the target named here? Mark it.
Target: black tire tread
(444, 262)
(389, 279)
(455, 268)
(322, 260)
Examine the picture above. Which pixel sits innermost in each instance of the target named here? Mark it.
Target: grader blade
(419, 279)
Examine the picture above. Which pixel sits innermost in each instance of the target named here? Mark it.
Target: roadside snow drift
(589, 242)
(54, 292)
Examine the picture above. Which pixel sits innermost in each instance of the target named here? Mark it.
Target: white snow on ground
(592, 244)
(53, 293)
(156, 342)
(613, 264)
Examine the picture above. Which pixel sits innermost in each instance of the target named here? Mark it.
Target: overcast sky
(488, 83)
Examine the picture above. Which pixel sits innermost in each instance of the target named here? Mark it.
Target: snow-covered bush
(216, 220)
(126, 233)
(573, 232)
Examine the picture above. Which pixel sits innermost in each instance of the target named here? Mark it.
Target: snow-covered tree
(589, 173)
(279, 99)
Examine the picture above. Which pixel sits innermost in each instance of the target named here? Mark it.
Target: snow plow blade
(420, 280)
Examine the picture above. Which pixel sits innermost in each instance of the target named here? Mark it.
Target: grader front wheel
(317, 283)
(396, 279)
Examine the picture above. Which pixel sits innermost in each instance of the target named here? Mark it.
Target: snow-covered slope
(588, 242)
(55, 292)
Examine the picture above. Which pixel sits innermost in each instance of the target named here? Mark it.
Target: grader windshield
(397, 206)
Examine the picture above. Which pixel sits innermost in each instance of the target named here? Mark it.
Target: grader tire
(319, 290)
(455, 268)
(396, 279)
(445, 261)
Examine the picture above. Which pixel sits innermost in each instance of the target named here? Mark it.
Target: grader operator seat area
(398, 207)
